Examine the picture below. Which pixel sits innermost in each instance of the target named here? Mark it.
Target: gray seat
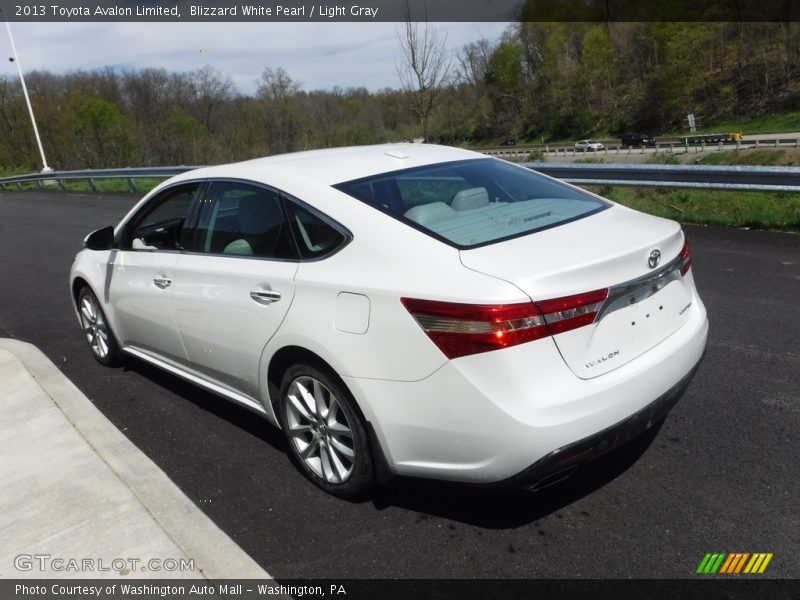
(470, 199)
(428, 214)
(260, 220)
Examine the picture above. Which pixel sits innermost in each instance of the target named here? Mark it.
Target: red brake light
(686, 257)
(462, 329)
(571, 312)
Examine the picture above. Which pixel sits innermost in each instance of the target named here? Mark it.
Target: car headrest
(476, 197)
(427, 214)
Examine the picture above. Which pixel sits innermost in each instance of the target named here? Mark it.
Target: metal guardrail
(521, 153)
(743, 178)
(90, 175)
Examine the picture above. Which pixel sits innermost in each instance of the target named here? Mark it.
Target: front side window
(471, 203)
(160, 225)
(239, 219)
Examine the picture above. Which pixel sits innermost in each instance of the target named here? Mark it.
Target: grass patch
(104, 186)
(752, 156)
(787, 122)
(112, 186)
(783, 123)
(663, 158)
(537, 156)
(11, 171)
(759, 210)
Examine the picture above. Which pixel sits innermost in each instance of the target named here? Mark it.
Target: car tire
(97, 330)
(325, 431)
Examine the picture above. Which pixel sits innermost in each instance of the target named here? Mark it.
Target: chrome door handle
(265, 296)
(162, 282)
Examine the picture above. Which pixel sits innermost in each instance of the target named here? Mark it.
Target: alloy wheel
(94, 326)
(320, 429)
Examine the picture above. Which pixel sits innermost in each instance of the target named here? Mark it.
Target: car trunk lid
(611, 250)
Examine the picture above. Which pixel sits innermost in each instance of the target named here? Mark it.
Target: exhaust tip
(552, 479)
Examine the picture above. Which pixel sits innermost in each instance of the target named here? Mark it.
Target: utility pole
(15, 59)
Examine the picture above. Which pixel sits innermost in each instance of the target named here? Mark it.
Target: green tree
(187, 138)
(505, 83)
(103, 136)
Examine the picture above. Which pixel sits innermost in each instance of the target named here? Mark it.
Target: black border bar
(395, 10)
(699, 587)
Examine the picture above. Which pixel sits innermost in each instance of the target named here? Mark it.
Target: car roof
(337, 165)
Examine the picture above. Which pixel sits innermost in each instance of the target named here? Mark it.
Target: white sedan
(593, 145)
(403, 309)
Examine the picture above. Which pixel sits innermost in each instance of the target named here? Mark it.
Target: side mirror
(102, 239)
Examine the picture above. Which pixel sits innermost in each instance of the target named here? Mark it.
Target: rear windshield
(476, 202)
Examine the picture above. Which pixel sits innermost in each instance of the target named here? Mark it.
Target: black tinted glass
(239, 219)
(160, 225)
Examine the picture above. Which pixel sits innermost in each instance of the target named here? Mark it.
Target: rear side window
(314, 236)
(474, 202)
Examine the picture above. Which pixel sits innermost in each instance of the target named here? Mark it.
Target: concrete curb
(215, 555)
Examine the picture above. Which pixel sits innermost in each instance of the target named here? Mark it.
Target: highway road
(721, 475)
(613, 152)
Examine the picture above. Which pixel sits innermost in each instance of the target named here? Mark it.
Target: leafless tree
(280, 93)
(210, 90)
(425, 65)
(473, 62)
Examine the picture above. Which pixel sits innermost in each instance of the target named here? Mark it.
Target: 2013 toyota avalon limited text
(403, 309)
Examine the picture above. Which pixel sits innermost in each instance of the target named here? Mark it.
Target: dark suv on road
(637, 139)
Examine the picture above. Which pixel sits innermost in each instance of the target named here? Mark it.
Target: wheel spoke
(308, 400)
(86, 310)
(102, 345)
(319, 400)
(308, 451)
(339, 429)
(339, 448)
(327, 468)
(336, 462)
(299, 429)
(300, 407)
(333, 410)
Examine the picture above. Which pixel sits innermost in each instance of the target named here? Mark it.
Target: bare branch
(425, 68)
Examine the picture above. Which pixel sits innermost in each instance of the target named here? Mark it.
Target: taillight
(462, 329)
(571, 312)
(686, 257)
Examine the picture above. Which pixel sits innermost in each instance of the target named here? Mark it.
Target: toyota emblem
(655, 258)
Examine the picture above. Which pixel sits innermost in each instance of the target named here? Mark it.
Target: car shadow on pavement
(482, 507)
(231, 412)
(499, 509)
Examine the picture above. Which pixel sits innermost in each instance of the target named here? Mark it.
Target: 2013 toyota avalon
(403, 309)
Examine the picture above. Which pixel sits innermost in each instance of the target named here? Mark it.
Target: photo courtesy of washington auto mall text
(172, 589)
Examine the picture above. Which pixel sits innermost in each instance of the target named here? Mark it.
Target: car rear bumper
(560, 463)
(488, 418)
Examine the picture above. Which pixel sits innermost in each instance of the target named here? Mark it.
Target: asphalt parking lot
(720, 475)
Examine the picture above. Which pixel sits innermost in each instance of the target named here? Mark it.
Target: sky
(318, 54)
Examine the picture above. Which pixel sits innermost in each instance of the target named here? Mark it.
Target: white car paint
(482, 417)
